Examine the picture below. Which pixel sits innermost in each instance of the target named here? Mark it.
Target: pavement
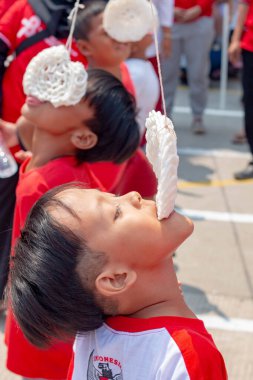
(215, 265)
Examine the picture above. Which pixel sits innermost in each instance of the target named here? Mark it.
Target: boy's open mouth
(33, 101)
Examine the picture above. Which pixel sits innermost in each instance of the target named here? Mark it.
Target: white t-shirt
(161, 348)
(146, 86)
(165, 9)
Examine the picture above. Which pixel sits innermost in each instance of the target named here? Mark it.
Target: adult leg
(198, 38)
(247, 82)
(170, 69)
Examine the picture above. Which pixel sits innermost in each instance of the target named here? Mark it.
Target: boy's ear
(84, 138)
(84, 47)
(111, 284)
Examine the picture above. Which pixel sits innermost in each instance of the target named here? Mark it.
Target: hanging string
(158, 59)
(72, 17)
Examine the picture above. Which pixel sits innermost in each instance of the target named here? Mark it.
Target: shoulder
(199, 352)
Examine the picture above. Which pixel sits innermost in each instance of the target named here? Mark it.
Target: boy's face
(125, 228)
(101, 48)
(59, 120)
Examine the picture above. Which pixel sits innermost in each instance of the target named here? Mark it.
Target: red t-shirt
(206, 5)
(134, 174)
(17, 24)
(160, 347)
(247, 37)
(22, 357)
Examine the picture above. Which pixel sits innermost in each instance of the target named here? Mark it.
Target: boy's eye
(118, 212)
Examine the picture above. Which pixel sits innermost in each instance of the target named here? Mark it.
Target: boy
(100, 127)
(111, 280)
(100, 50)
(105, 53)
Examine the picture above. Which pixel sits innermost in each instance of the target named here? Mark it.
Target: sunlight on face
(125, 228)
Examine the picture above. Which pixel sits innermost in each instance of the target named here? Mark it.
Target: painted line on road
(217, 216)
(214, 183)
(221, 153)
(229, 324)
(211, 112)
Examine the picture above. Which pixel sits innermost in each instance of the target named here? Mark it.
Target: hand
(191, 14)
(8, 131)
(179, 14)
(234, 52)
(22, 155)
(166, 46)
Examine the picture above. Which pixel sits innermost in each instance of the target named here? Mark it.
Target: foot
(198, 127)
(239, 138)
(246, 173)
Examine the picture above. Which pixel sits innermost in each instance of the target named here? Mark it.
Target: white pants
(193, 40)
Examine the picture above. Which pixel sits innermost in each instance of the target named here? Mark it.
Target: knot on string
(72, 17)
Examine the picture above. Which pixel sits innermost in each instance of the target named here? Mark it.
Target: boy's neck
(139, 54)
(162, 295)
(46, 147)
(114, 70)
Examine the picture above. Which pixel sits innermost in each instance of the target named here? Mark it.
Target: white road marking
(224, 153)
(211, 112)
(229, 324)
(217, 216)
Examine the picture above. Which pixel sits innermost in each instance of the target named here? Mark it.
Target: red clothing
(206, 5)
(16, 25)
(126, 79)
(4, 5)
(164, 347)
(247, 38)
(23, 358)
(134, 174)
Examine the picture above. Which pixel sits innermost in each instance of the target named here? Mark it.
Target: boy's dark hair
(85, 17)
(48, 297)
(114, 120)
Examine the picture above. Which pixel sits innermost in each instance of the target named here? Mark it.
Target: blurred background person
(192, 36)
(145, 80)
(242, 45)
(165, 10)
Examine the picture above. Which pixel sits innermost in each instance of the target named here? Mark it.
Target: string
(72, 17)
(158, 60)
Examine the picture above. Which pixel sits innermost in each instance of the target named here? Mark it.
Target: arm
(165, 13)
(9, 133)
(234, 49)
(192, 13)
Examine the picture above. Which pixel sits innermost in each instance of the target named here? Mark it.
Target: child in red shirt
(115, 287)
(104, 52)
(101, 126)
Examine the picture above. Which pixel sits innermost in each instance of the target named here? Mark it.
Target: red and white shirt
(161, 348)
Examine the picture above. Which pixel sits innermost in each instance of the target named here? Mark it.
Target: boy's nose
(134, 198)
